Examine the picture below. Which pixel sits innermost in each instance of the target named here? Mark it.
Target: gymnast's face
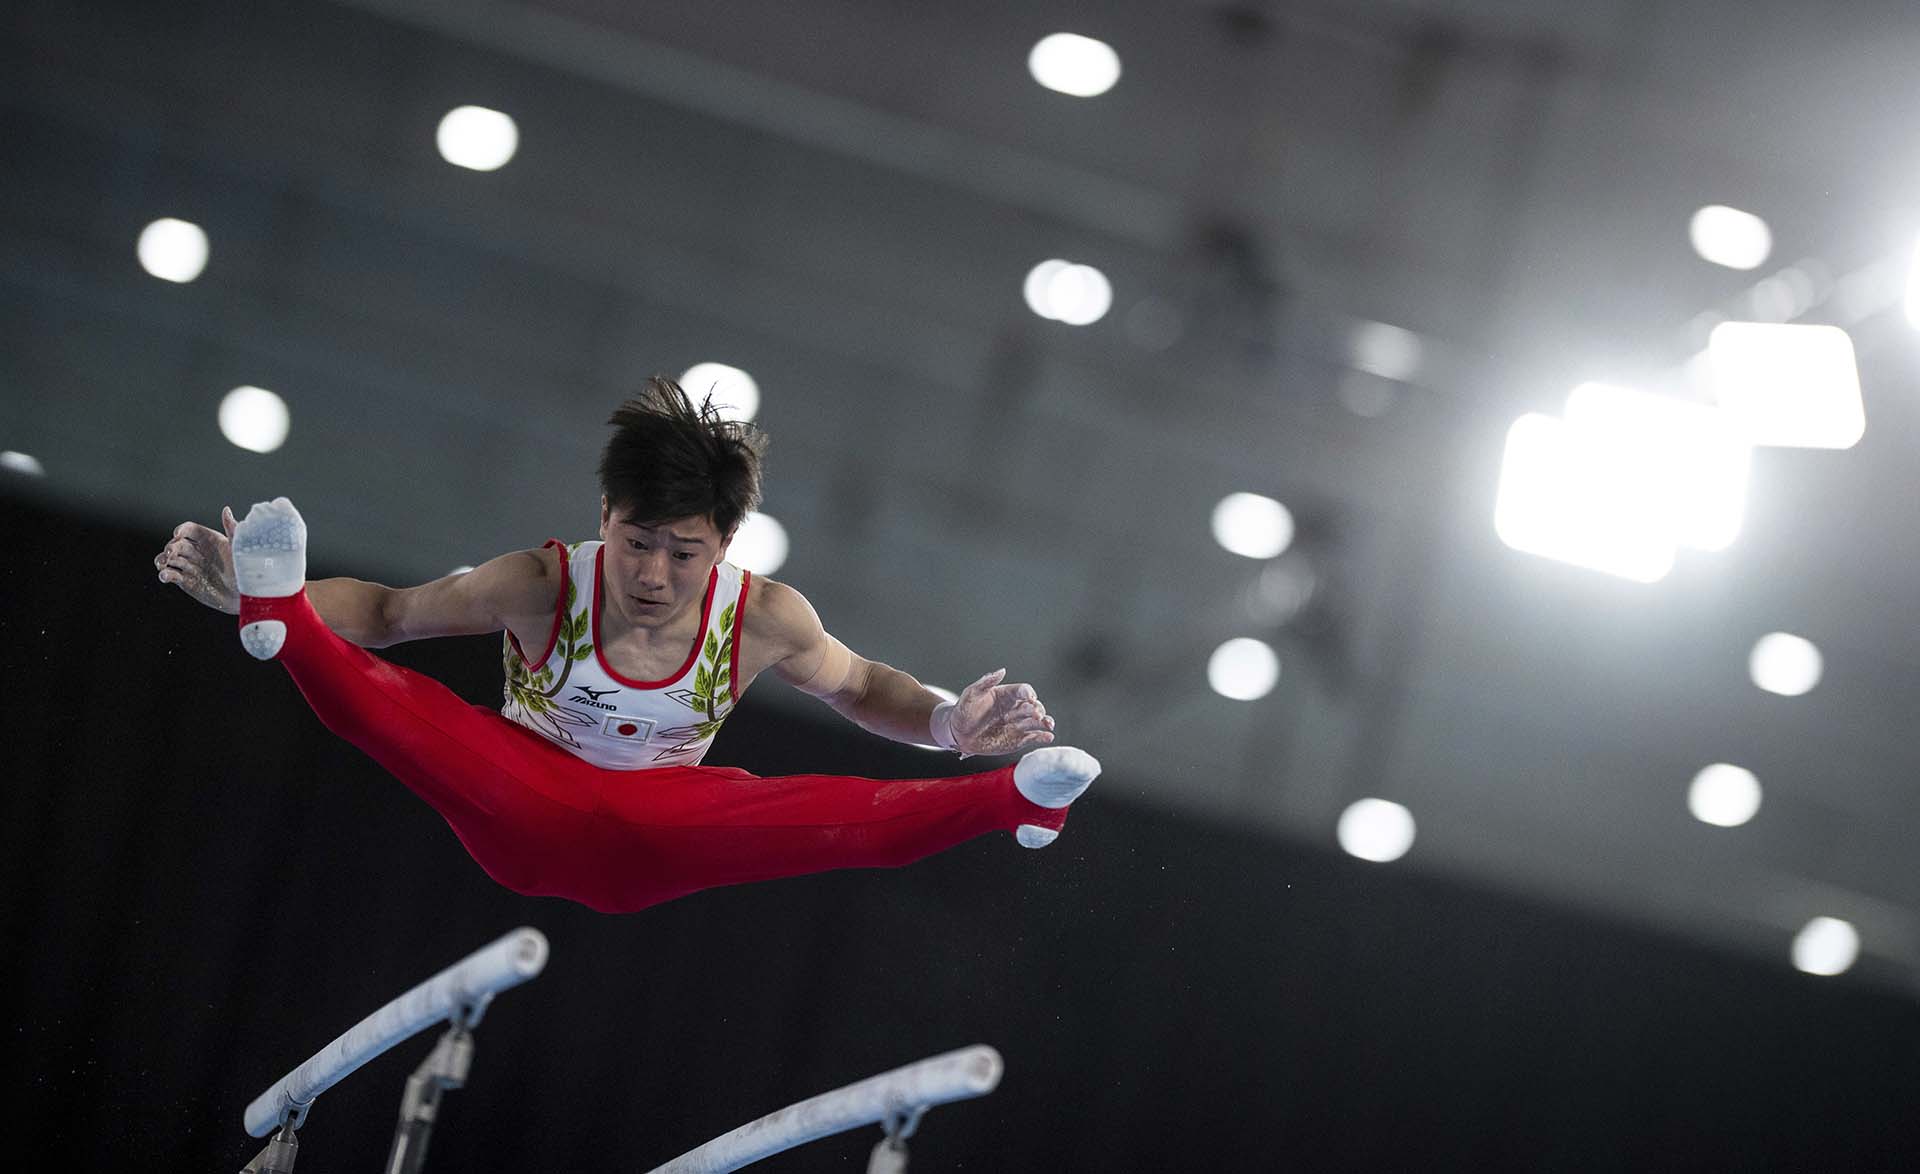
(655, 571)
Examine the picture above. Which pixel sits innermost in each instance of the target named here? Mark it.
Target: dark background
(203, 887)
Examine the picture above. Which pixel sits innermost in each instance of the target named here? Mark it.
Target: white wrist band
(940, 727)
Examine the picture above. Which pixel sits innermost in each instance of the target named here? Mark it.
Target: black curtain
(203, 886)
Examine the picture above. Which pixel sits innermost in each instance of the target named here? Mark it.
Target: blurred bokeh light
(1785, 664)
(1826, 946)
(254, 418)
(1724, 795)
(1786, 385)
(1244, 669)
(1376, 829)
(1252, 525)
(759, 545)
(1727, 236)
(477, 138)
(1073, 64)
(173, 250)
(734, 392)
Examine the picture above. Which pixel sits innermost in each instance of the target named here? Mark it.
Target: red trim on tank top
(699, 637)
(559, 609)
(739, 630)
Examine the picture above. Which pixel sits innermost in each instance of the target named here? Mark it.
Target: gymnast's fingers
(178, 553)
(1024, 709)
(195, 533)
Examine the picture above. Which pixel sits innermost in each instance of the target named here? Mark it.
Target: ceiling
(844, 199)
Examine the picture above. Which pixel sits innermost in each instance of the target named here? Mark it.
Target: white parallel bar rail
(468, 983)
(955, 1076)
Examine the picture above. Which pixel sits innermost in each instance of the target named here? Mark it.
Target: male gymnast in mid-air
(623, 657)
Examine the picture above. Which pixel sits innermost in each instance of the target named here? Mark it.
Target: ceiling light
(1913, 290)
(477, 138)
(734, 391)
(1386, 351)
(1785, 664)
(1788, 385)
(1251, 525)
(1073, 64)
(1825, 946)
(1243, 669)
(1066, 292)
(254, 418)
(1724, 795)
(1376, 830)
(1575, 495)
(19, 462)
(1695, 462)
(173, 250)
(759, 545)
(1730, 237)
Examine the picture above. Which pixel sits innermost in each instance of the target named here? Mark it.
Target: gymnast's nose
(650, 572)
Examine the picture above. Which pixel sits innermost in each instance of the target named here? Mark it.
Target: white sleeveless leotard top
(568, 693)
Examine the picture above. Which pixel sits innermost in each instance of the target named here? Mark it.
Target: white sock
(263, 639)
(270, 550)
(1029, 835)
(1054, 776)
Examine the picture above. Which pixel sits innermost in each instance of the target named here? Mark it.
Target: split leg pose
(623, 657)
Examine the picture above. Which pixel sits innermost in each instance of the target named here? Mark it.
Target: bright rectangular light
(1576, 495)
(1690, 454)
(1789, 386)
(1913, 290)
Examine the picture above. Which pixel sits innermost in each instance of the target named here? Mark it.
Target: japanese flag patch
(627, 729)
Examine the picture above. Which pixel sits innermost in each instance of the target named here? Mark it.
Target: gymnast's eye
(683, 556)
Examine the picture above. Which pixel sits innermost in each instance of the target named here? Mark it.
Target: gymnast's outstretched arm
(988, 718)
(521, 586)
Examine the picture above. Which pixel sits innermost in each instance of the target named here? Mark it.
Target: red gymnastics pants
(545, 823)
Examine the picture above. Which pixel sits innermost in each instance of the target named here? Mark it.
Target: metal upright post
(444, 1068)
(281, 1149)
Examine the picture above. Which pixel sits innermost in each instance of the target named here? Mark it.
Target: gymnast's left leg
(674, 830)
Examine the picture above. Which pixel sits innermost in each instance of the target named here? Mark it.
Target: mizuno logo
(595, 694)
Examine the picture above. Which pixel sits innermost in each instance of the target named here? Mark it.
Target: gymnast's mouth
(648, 602)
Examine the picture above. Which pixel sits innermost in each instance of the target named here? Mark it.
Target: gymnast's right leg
(508, 807)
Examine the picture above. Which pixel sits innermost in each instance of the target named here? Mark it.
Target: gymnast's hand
(199, 561)
(991, 718)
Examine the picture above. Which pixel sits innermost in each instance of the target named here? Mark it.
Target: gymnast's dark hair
(669, 459)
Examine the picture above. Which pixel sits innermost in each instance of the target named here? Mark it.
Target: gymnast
(623, 657)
